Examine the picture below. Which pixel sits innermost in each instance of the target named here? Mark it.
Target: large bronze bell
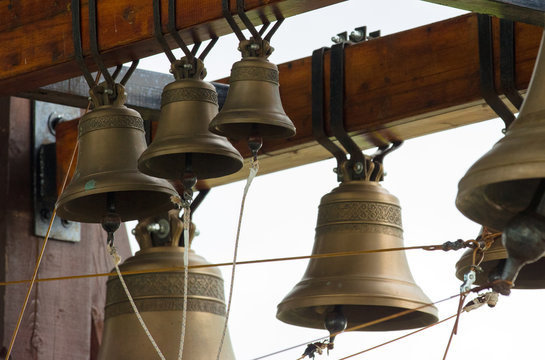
(111, 137)
(183, 138)
(253, 106)
(355, 216)
(504, 181)
(531, 276)
(159, 299)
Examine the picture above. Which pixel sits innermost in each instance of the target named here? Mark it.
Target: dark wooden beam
(527, 11)
(398, 87)
(36, 35)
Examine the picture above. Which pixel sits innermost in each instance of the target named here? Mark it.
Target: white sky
(281, 211)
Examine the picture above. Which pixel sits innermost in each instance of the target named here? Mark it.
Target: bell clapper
(335, 322)
(111, 220)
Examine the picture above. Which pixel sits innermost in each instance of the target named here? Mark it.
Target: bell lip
(239, 125)
(76, 191)
(169, 147)
(425, 316)
(295, 306)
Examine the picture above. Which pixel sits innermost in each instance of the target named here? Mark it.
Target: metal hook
(357, 162)
(78, 50)
(378, 159)
(94, 45)
(158, 32)
(318, 128)
(129, 72)
(507, 62)
(172, 30)
(486, 61)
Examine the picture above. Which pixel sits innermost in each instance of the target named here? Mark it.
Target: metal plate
(45, 116)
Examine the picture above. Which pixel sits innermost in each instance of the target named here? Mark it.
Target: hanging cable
(449, 245)
(46, 238)
(254, 168)
(399, 338)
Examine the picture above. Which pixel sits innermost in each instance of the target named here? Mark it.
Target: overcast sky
(281, 211)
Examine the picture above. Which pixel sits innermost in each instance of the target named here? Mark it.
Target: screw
(357, 35)
(254, 46)
(358, 168)
(336, 39)
(188, 66)
(153, 227)
(133, 231)
(65, 223)
(108, 91)
(504, 131)
(335, 170)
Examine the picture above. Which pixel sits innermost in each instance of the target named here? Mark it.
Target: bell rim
(232, 158)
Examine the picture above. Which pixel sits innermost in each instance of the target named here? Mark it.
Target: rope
(187, 244)
(116, 260)
(46, 238)
(254, 168)
(247, 262)
(399, 338)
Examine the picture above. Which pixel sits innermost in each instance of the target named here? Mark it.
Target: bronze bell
(504, 181)
(183, 138)
(356, 216)
(531, 276)
(253, 107)
(111, 137)
(159, 299)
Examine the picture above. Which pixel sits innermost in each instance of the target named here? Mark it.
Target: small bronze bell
(159, 299)
(183, 138)
(531, 276)
(253, 107)
(503, 182)
(111, 137)
(356, 216)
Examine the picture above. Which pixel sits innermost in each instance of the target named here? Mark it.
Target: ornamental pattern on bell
(165, 284)
(360, 211)
(254, 73)
(117, 121)
(189, 94)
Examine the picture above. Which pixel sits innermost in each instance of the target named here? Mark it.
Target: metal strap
(158, 32)
(507, 62)
(486, 60)
(76, 32)
(318, 126)
(337, 110)
(94, 45)
(198, 200)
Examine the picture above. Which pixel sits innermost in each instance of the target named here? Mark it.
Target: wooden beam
(527, 11)
(397, 87)
(36, 35)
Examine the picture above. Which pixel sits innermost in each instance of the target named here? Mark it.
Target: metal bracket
(486, 61)
(45, 117)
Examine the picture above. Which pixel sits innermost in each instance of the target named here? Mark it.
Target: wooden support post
(398, 87)
(57, 322)
(528, 11)
(36, 35)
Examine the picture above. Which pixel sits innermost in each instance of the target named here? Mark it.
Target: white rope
(254, 168)
(117, 259)
(187, 224)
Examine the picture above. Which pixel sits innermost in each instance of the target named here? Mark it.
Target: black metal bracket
(358, 166)
(256, 35)
(507, 61)
(45, 117)
(190, 66)
(318, 124)
(111, 89)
